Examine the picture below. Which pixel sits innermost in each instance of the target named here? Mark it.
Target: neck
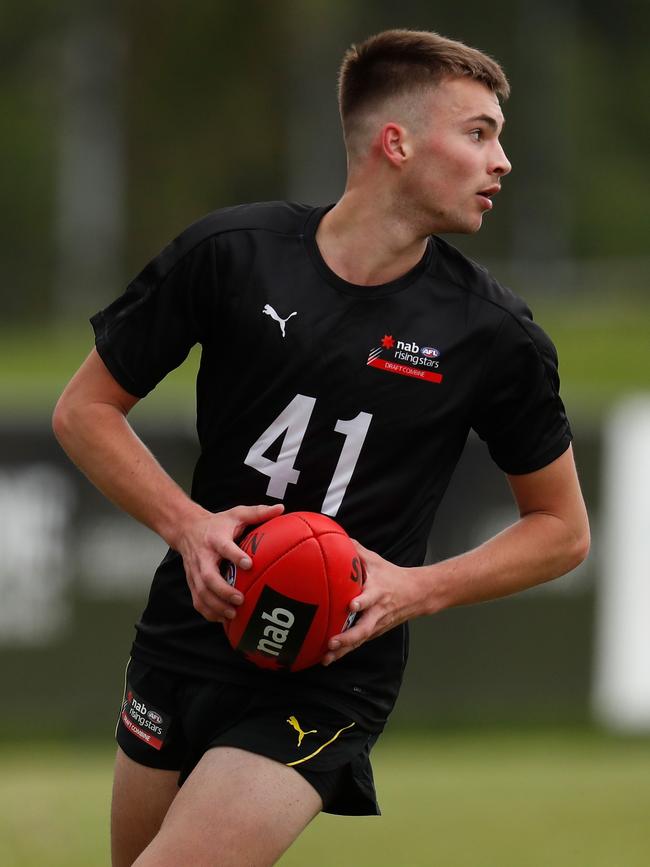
(367, 241)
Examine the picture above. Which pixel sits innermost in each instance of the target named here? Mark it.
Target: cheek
(451, 165)
(460, 166)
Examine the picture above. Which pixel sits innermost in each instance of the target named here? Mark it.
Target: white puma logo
(281, 322)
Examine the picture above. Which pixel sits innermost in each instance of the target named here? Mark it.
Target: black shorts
(169, 721)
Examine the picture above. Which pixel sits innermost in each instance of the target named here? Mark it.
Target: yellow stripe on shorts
(322, 747)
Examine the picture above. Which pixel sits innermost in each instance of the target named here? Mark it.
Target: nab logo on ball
(275, 635)
(277, 627)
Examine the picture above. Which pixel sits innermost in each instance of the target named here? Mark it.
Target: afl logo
(154, 717)
(229, 572)
(430, 352)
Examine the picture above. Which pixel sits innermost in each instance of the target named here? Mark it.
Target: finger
(334, 656)
(229, 550)
(355, 635)
(256, 514)
(212, 588)
(220, 592)
(212, 611)
(349, 640)
(361, 549)
(213, 603)
(214, 615)
(362, 602)
(209, 606)
(379, 629)
(369, 596)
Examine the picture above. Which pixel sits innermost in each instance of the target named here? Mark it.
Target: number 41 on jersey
(292, 425)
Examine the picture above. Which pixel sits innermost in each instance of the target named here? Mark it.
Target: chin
(442, 223)
(462, 228)
(471, 228)
(459, 224)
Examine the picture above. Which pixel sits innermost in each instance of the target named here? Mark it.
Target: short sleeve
(169, 307)
(519, 412)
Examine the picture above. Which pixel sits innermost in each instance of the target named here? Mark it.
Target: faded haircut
(396, 63)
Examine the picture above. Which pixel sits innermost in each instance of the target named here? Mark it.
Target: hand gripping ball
(305, 573)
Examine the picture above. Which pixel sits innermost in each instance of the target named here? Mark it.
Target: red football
(305, 573)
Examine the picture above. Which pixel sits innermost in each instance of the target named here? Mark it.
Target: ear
(394, 144)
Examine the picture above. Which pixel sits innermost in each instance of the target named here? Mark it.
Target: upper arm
(518, 410)
(93, 383)
(553, 490)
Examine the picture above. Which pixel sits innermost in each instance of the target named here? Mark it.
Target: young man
(346, 353)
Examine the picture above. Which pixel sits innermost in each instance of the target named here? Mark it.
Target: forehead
(460, 99)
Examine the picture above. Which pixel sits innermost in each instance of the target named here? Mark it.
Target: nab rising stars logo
(421, 362)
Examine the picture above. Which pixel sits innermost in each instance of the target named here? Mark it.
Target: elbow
(581, 550)
(63, 423)
(60, 419)
(577, 549)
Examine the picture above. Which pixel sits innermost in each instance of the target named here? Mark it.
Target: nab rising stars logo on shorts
(406, 358)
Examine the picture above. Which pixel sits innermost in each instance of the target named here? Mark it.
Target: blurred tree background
(126, 121)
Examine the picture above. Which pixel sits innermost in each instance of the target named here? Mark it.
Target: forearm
(550, 538)
(100, 441)
(535, 549)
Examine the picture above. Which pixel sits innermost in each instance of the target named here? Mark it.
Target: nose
(501, 165)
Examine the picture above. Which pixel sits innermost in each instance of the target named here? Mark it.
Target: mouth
(486, 195)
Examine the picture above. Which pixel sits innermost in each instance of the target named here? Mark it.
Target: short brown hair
(396, 62)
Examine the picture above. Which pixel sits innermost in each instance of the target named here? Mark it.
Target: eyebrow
(485, 118)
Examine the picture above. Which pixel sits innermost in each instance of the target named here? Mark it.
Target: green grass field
(532, 799)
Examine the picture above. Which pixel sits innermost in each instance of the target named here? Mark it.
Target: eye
(476, 134)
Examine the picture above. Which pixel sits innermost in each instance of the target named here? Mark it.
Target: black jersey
(354, 401)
